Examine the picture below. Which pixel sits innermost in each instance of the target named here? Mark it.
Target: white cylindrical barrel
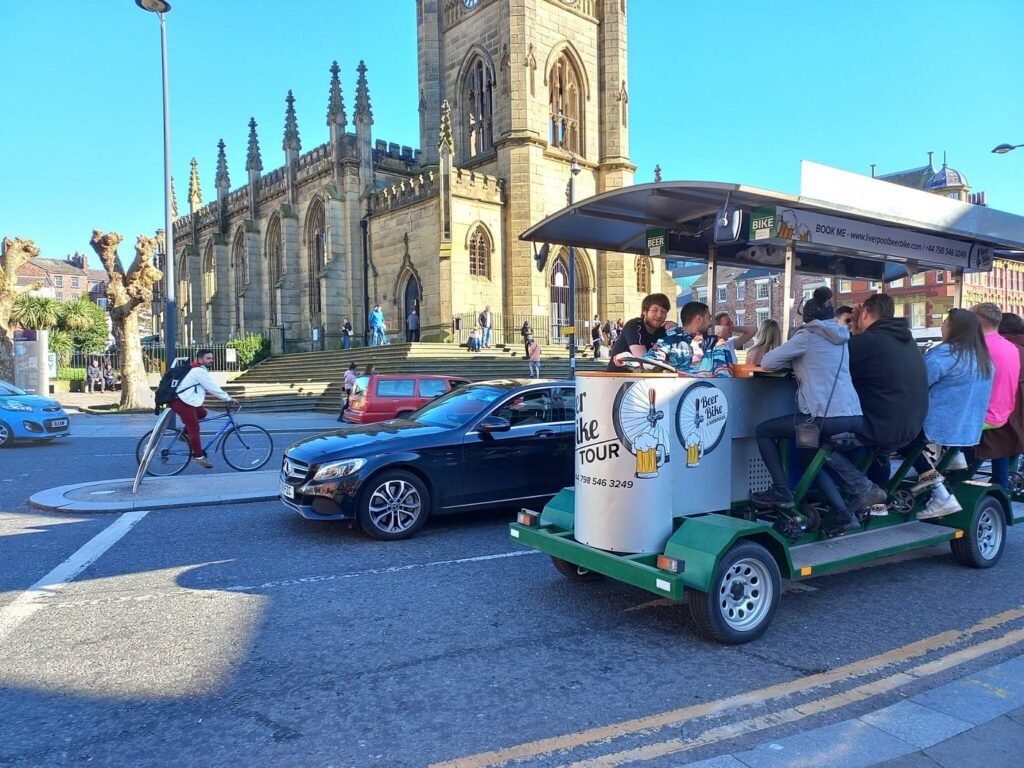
(624, 448)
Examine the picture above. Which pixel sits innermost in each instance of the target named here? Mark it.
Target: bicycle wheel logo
(700, 420)
(640, 425)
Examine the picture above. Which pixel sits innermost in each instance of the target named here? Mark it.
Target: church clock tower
(533, 84)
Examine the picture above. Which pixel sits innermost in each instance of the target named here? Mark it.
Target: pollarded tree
(15, 253)
(127, 293)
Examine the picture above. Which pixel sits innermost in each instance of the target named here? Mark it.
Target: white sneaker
(877, 510)
(926, 480)
(958, 462)
(936, 508)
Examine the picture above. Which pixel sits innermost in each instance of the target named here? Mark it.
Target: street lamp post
(364, 224)
(1002, 149)
(160, 8)
(574, 169)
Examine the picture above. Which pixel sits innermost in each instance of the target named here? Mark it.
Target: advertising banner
(656, 242)
(778, 223)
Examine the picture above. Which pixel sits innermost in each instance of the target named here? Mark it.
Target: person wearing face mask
(639, 334)
(691, 347)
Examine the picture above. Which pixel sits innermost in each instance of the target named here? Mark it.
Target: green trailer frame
(729, 563)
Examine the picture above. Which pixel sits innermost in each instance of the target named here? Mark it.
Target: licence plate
(59, 423)
(287, 491)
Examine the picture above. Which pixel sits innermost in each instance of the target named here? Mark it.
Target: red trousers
(190, 416)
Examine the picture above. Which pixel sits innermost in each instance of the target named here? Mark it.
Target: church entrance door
(559, 300)
(412, 301)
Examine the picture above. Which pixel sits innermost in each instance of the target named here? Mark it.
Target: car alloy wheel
(5, 435)
(394, 505)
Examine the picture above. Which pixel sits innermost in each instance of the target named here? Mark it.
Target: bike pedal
(877, 510)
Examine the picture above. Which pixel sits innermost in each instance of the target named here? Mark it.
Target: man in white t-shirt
(736, 336)
(188, 402)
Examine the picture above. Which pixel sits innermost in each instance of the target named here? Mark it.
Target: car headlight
(15, 405)
(336, 469)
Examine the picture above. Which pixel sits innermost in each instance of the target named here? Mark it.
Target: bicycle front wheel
(246, 447)
(172, 453)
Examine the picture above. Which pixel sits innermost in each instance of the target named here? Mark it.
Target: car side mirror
(494, 424)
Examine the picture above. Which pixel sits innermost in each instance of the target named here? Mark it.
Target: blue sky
(736, 92)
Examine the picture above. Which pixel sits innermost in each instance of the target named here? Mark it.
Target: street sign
(656, 242)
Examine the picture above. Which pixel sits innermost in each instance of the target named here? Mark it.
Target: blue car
(29, 417)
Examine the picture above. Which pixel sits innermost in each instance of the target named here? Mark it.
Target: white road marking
(376, 571)
(38, 595)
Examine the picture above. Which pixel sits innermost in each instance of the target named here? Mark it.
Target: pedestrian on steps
(348, 385)
(533, 352)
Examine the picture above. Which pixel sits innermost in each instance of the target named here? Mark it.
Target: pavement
(114, 495)
(975, 721)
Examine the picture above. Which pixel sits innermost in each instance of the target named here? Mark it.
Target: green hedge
(251, 349)
(71, 374)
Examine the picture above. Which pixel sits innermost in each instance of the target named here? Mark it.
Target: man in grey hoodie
(818, 355)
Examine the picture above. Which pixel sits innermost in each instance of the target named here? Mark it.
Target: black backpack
(167, 390)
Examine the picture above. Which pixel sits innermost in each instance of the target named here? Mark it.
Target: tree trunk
(127, 294)
(6, 341)
(135, 391)
(15, 253)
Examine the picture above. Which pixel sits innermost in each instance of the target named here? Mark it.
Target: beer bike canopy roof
(845, 224)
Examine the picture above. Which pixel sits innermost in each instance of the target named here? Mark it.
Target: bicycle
(245, 447)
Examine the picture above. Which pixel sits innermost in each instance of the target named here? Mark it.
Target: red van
(383, 396)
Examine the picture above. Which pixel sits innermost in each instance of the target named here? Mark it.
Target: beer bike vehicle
(665, 464)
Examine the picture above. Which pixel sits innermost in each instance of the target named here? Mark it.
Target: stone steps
(312, 380)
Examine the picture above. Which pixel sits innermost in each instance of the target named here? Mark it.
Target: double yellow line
(848, 672)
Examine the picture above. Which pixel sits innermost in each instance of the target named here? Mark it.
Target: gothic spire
(291, 126)
(195, 193)
(222, 179)
(253, 161)
(363, 108)
(446, 139)
(174, 200)
(336, 104)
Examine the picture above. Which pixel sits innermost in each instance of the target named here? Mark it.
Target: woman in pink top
(1006, 359)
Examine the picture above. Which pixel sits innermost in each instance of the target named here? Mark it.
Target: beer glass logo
(700, 420)
(787, 223)
(640, 425)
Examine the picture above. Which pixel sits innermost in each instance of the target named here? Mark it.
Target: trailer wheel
(744, 594)
(573, 572)
(983, 542)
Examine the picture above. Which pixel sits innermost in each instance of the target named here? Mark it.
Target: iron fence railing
(507, 328)
(153, 357)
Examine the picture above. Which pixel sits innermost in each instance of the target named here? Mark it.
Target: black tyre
(984, 540)
(574, 572)
(744, 594)
(6, 436)
(403, 415)
(247, 447)
(171, 456)
(393, 505)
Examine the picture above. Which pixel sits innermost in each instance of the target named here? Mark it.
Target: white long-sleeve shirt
(191, 394)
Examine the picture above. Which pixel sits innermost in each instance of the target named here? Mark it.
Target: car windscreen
(359, 388)
(458, 407)
(10, 389)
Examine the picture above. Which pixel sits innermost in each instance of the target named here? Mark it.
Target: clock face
(469, 5)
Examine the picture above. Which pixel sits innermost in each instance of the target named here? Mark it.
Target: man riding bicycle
(188, 402)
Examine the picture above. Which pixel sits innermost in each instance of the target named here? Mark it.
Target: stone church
(510, 92)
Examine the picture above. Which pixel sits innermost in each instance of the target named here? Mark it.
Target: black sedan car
(491, 444)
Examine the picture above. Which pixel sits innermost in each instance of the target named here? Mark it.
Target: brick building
(752, 296)
(64, 279)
